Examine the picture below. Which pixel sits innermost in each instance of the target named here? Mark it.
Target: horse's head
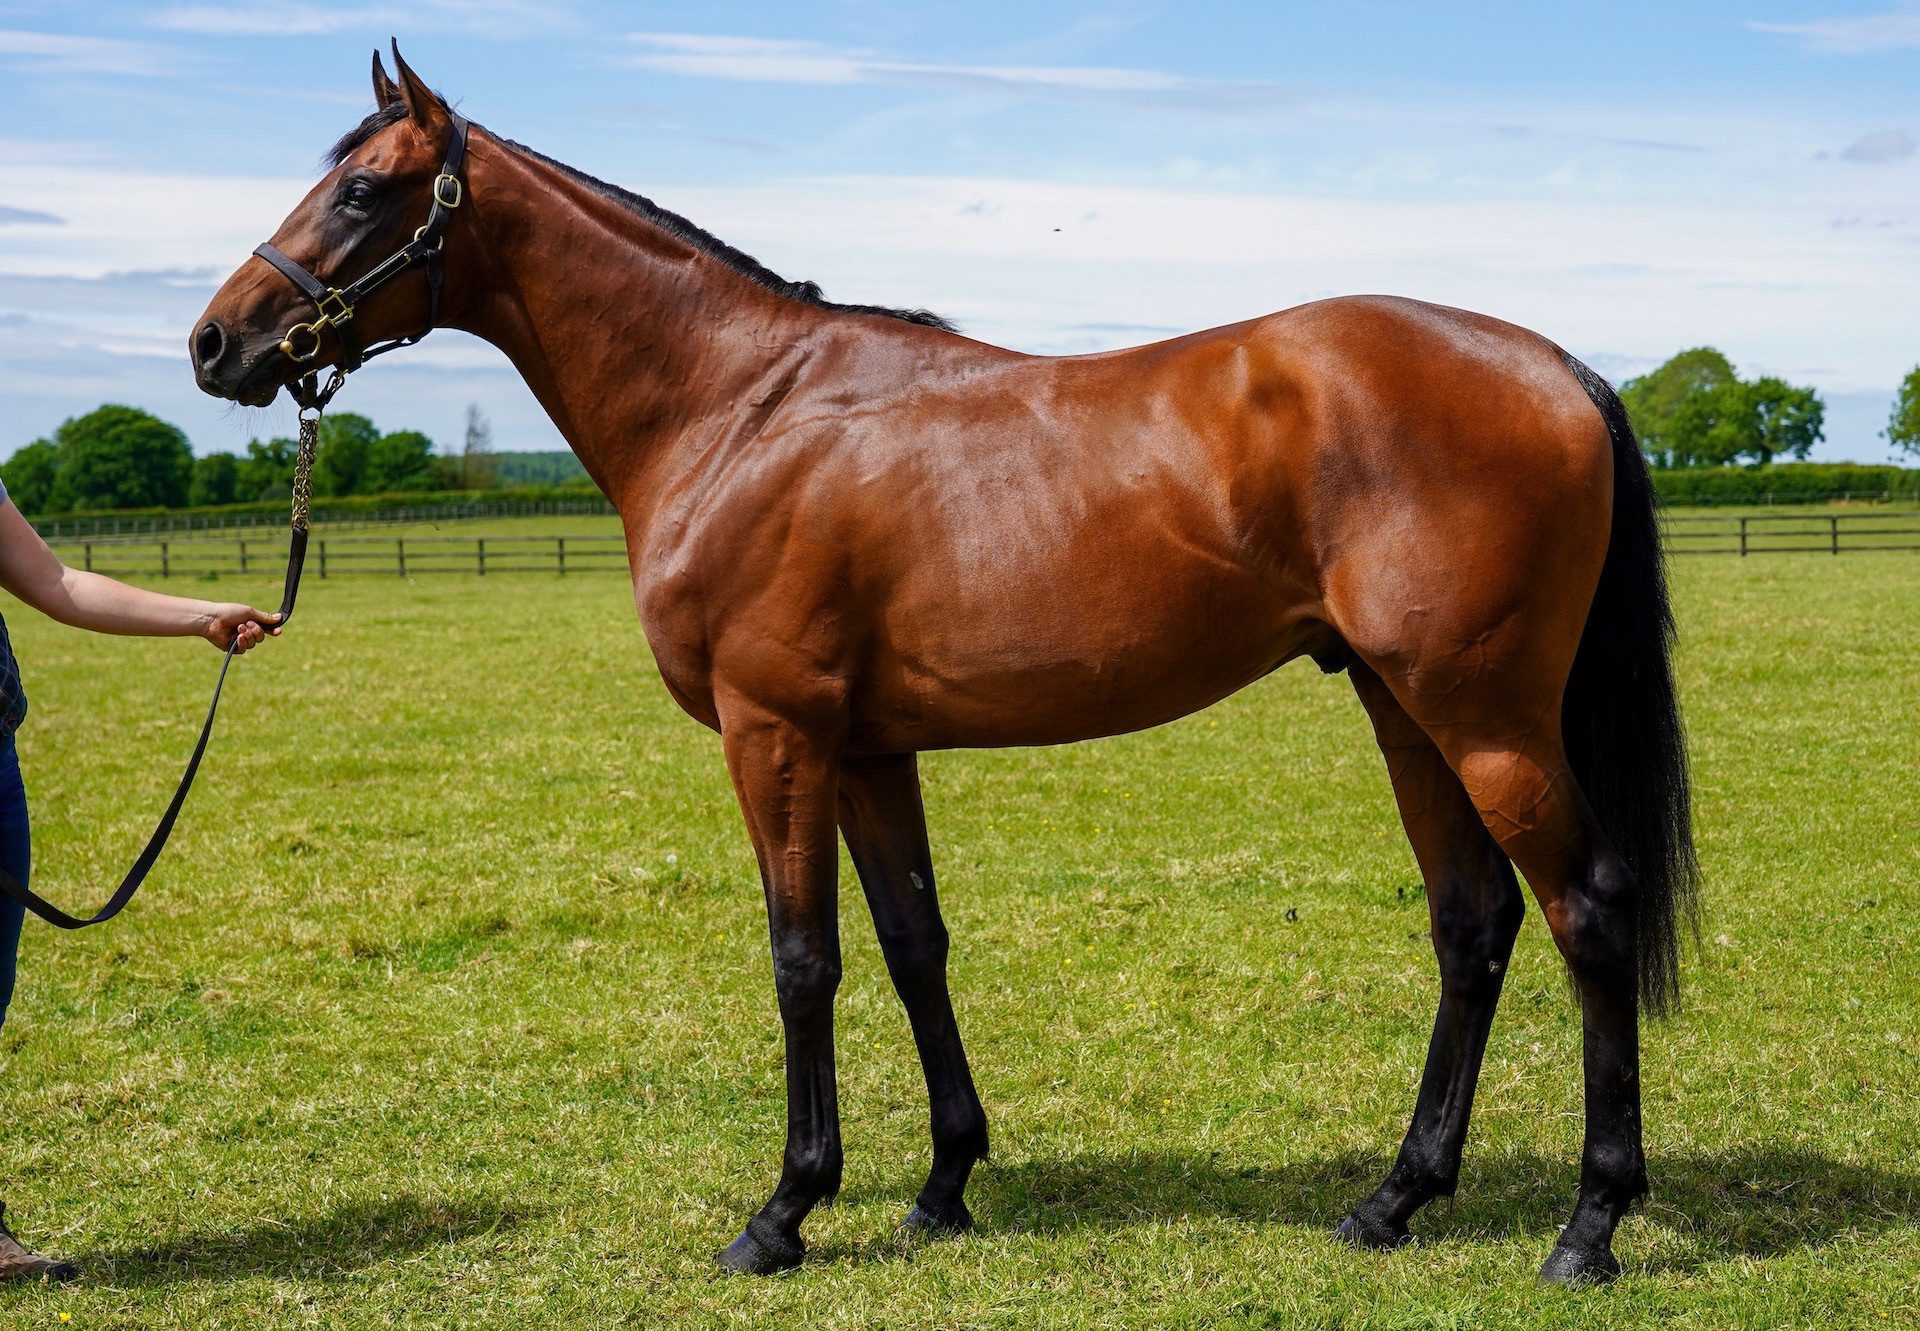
(370, 230)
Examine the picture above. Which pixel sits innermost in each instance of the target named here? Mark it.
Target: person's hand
(252, 625)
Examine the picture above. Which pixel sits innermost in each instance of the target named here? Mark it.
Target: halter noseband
(336, 304)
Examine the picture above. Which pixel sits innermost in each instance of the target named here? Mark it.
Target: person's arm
(85, 600)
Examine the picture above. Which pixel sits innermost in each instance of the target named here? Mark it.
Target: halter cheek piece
(336, 304)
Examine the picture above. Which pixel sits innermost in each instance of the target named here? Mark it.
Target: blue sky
(1059, 177)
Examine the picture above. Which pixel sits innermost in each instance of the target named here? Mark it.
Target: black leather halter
(337, 304)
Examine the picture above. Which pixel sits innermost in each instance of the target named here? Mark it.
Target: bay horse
(855, 535)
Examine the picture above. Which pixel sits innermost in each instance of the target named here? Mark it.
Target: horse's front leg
(785, 778)
(886, 830)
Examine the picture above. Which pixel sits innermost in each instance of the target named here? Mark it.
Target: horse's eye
(359, 196)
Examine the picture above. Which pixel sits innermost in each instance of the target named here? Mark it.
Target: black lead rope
(313, 400)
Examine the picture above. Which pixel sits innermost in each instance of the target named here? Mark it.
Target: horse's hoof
(1579, 1266)
(1362, 1232)
(939, 1222)
(756, 1253)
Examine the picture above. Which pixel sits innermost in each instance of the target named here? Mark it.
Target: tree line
(1694, 411)
(119, 457)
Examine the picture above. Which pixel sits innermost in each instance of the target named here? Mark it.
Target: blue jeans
(16, 857)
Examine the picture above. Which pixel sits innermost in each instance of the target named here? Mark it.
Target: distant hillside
(539, 468)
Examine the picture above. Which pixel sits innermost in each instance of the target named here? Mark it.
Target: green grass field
(451, 1005)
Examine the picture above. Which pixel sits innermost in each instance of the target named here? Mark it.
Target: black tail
(1621, 720)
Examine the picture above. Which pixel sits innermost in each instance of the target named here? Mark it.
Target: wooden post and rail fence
(169, 557)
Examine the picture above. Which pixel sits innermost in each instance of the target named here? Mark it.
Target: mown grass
(451, 1004)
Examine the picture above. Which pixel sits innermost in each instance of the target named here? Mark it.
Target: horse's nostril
(208, 345)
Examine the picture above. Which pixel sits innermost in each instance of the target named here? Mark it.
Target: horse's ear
(384, 92)
(423, 103)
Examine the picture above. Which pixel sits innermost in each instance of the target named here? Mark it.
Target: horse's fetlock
(814, 1172)
(1424, 1173)
(961, 1136)
(1614, 1173)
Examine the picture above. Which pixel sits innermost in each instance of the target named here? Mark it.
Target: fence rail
(338, 556)
(411, 556)
(1789, 533)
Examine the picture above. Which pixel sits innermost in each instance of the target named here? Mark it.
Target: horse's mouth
(259, 383)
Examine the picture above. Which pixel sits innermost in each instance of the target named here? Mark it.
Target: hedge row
(347, 505)
(1785, 483)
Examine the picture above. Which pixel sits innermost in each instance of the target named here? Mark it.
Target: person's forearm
(91, 601)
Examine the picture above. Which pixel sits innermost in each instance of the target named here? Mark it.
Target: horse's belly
(1073, 659)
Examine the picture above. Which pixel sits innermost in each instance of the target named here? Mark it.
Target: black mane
(807, 293)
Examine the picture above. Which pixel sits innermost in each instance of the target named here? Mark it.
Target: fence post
(323, 559)
(480, 556)
(166, 561)
(89, 560)
(400, 549)
(560, 553)
(1743, 537)
(1833, 530)
(243, 557)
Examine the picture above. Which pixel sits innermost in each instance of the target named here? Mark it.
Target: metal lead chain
(312, 400)
(303, 468)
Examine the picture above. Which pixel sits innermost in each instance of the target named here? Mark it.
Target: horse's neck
(632, 339)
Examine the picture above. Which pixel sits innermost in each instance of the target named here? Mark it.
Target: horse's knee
(914, 951)
(805, 978)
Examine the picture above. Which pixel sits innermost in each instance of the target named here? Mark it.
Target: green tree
(1784, 421)
(340, 462)
(1694, 411)
(120, 457)
(1705, 429)
(215, 479)
(266, 472)
(29, 475)
(400, 463)
(1903, 426)
(1655, 399)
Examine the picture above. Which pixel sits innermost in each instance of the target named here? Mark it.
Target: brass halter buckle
(334, 311)
(448, 191)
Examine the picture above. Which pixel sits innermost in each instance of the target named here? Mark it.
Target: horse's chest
(674, 621)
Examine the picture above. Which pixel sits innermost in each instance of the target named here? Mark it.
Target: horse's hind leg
(1475, 908)
(886, 832)
(1510, 757)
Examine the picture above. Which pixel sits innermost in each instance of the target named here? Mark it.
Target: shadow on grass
(354, 1235)
(1744, 1201)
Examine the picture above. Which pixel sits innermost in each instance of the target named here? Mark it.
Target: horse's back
(1013, 550)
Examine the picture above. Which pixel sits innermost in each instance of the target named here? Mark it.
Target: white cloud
(62, 53)
(292, 18)
(118, 219)
(766, 60)
(1896, 29)
(271, 20)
